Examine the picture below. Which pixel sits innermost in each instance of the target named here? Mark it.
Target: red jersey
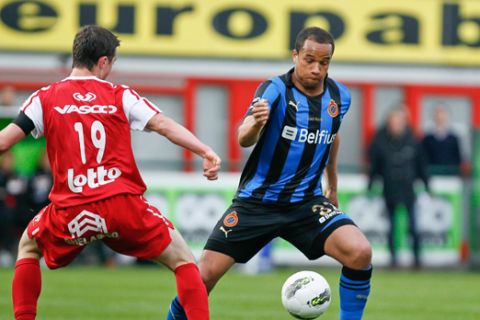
(86, 123)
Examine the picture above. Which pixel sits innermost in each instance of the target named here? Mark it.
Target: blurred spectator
(40, 184)
(441, 146)
(17, 199)
(8, 96)
(7, 239)
(397, 159)
(14, 205)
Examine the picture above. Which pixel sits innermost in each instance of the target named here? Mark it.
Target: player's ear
(295, 56)
(102, 61)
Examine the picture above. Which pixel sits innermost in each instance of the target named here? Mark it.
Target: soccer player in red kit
(98, 192)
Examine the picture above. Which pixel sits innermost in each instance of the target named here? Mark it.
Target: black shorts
(247, 226)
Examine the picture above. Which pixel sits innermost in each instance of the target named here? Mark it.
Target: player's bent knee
(174, 258)
(210, 275)
(176, 254)
(213, 266)
(27, 248)
(350, 247)
(361, 257)
(209, 279)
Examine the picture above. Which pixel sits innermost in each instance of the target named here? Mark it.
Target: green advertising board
(27, 153)
(475, 212)
(194, 205)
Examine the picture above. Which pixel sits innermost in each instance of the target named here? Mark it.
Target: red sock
(192, 292)
(26, 286)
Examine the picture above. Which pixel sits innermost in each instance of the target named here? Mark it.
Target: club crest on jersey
(231, 219)
(332, 108)
(87, 97)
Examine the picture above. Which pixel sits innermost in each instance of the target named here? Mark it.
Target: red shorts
(126, 223)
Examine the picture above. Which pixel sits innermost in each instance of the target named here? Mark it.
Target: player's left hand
(211, 165)
(332, 195)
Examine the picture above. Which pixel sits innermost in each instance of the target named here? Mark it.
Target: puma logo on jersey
(71, 108)
(225, 231)
(293, 104)
(87, 97)
(94, 178)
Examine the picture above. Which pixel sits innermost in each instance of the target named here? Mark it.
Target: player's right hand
(260, 112)
(211, 165)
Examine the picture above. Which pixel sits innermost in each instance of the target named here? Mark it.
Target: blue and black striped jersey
(287, 162)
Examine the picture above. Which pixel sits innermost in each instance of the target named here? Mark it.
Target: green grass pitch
(145, 292)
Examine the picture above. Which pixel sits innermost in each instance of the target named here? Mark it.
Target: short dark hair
(92, 42)
(314, 33)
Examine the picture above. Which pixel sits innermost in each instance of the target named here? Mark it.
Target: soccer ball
(306, 295)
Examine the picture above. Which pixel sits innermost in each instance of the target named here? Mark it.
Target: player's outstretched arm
(9, 136)
(249, 131)
(181, 136)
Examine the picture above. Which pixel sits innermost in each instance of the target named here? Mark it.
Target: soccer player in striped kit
(97, 193)
(293, 122)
